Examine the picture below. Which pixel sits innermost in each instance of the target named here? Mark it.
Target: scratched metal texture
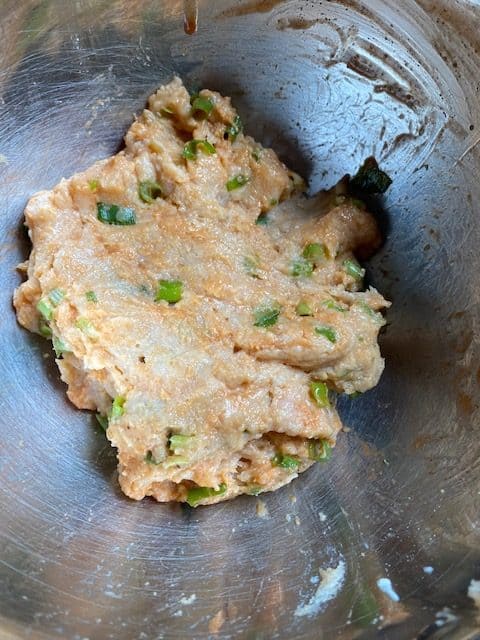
(325, 83)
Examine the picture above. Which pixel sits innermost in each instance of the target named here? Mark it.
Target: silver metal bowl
(326, 83)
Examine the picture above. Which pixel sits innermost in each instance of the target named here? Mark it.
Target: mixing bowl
(326, 83)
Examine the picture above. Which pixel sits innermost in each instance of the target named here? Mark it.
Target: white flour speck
(331, 582)
(322, 516)
(190, 600)
(385, 585)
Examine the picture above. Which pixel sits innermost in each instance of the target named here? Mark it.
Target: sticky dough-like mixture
(209, 316)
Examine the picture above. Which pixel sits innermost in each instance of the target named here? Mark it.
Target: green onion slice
(352, 268)
(303, 309)
(315, 252)
(86, 327)
(190, 149)
(204, 105)
(102, 421)
(149, 191)
(285, 462)
(333, 306)
(115, 214)
(319, 393)
(56, 296)
(59, 346)
(232, 131)
(44, 328)
(301, 268)
(179, 441)
(93, 185)
(197, 494)
(169, 290)
(327, 332)
(150, 459)
(266, 316)
(117, 409)
(91, 296)
(236, 182)
(256, 154)
(319, 450)
(45, 308)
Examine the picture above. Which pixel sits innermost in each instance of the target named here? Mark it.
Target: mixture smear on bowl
(202, 305)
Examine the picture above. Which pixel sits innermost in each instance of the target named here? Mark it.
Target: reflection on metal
(327, 84)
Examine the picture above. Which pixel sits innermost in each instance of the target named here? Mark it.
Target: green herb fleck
(319, 393)
(319, 450)
(197, 494)
(376, 315)
(262, 220)
(353, 269)
(56, 296)
(370, 178)
(273, 202)
(190, 149)
(256, 154)
(93, 185)
(266, 316)
(285, 462)
(250, 264)
(102, 421)
(254, 489)
(204, 105)
(175, 461)
(166, 112)
(303, 309)
(355, 394)
(117, 409)
(149, 191)
(91, 296)
(232, 131)
(327, 332)
(115, 214)
(301, 268)
(360, 204)
(150, 459)
(169, 290)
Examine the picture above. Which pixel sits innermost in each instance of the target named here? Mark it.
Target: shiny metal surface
(326, 83)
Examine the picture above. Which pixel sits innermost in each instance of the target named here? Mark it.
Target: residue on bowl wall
(474, 594)
(385, 585)
(331, 581)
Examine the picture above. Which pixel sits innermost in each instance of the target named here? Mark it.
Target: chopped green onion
(319, 393)
(360, 204)
(190, 149)
(149, 191)
(117, 409)
(319, 450)
(175, 461)
(86, 327)
(44, 328)
(196, 494)
(232, 131)
(254, 489)
(371, 312)
(45, 308)
(236, 182)
(169, 290)
(301, 268)
(266, 316)
(91, 296)
(352, 268)
(256, 153)
(327, 332)
(93, 185)
(315, 252)
(273, 202)
(303, 309)
(150, 459)
(199, 103)
(166, 111)
(262, 220)
(102, 421)
(370, 178)
(285, 462)
(251, 266)
(115, 214)
(59, 346)
(56, 296)
(180, 441)
(355, 394)
(333, 306)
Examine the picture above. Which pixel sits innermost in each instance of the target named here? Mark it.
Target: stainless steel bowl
(327, 83)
